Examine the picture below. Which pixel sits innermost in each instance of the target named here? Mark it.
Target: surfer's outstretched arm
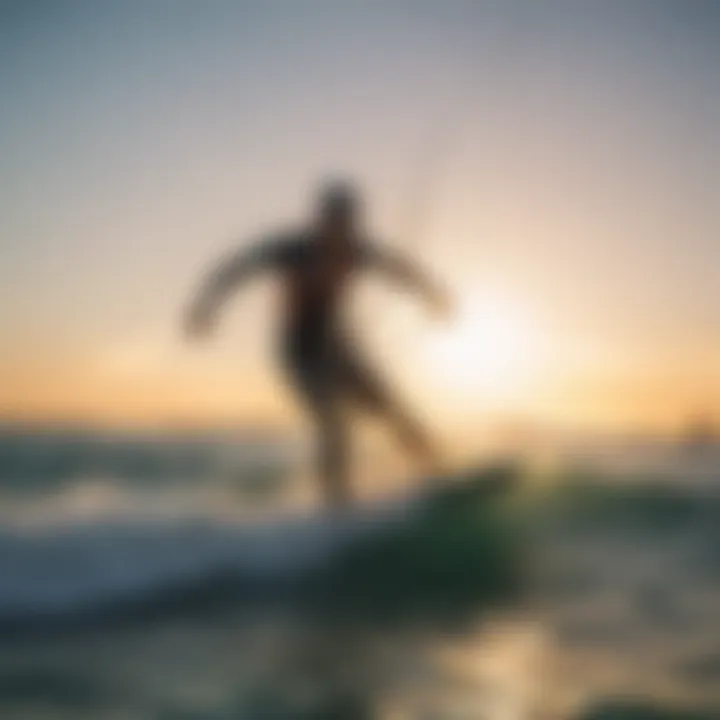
(224, 279)
(409, 275)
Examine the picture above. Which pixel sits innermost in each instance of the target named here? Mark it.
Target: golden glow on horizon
(456, 380)
(499, 354)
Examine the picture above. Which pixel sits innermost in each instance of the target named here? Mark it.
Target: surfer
(315, 266)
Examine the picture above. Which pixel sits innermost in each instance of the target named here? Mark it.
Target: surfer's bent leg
(413, 437)
(363, 384)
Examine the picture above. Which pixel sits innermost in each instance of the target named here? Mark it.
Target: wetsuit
(322, 363)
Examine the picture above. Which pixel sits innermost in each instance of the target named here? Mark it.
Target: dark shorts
(340, 375)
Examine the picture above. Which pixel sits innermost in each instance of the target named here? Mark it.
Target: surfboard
(458, 542)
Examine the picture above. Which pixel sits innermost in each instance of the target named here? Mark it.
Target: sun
(486, 349)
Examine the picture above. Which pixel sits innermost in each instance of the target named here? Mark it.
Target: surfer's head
(338, 209)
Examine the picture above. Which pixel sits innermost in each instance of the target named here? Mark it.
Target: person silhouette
(315, 266)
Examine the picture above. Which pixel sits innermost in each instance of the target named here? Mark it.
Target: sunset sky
(556, 163)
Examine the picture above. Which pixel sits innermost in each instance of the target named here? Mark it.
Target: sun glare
(486, 349)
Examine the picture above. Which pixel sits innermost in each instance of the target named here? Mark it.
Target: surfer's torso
(315, 279)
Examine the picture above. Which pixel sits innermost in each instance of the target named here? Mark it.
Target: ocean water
(147, 577)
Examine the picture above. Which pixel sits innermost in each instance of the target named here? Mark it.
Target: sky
(555, 163)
